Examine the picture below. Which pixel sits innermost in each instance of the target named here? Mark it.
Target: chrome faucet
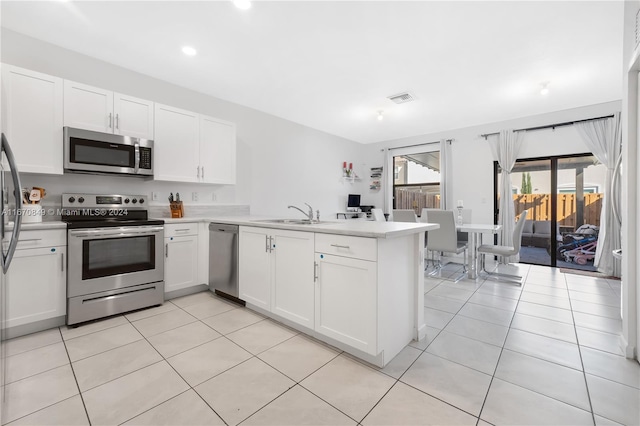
(309, 214)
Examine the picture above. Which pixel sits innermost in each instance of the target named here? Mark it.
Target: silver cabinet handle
(30, 239)
(181, 230)
(110, 120)
(266, 243)
(339, 246)
(315, 271)
(202, 172)
(166, 250)
(62, 266)
(198, 172)
(117, 121)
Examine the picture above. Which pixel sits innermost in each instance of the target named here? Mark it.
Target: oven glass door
(120, 255)
(84, 151)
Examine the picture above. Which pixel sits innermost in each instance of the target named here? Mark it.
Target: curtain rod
(418, 144)
(552, 126)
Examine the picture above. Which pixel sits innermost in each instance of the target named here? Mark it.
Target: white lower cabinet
(181, 257)
(276, 272)
(346, 301)
(36, 285)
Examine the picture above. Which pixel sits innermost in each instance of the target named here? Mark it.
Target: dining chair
(445, 239)
(404, 215)
(499, 250)
(378, 215)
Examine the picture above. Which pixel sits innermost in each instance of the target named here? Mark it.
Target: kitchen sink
(293, 221)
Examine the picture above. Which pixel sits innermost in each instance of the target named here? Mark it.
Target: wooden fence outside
(416, 200)
(539, 206)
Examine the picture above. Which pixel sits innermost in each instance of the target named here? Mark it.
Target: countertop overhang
(360, 228)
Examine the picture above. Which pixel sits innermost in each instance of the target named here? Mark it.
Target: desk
(350, 214)
(475, 231)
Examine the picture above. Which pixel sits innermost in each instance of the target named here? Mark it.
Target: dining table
(475, 231)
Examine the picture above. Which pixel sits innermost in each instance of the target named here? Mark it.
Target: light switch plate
(154, 196)
(194, 196)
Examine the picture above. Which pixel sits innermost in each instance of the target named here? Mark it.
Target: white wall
(279, 162)
(472, 158)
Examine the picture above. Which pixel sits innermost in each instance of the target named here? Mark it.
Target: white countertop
(360, 228)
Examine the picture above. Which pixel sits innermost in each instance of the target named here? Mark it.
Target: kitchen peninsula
(357, 285)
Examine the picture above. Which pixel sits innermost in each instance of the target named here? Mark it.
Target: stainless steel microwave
(86, 151)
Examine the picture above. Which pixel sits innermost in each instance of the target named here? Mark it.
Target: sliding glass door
(563, 197)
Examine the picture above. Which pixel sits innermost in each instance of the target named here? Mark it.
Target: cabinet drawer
(347, 246)
(44, 238)
(178, 229)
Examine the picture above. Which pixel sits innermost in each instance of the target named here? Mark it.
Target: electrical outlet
(213, 197)
(194, 196)
(154, 196)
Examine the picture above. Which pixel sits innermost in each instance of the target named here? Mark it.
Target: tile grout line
(75, 378)
(493, 376)
(584, 373)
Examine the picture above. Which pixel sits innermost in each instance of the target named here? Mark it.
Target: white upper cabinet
(88, 107)
(217, 151)
(92, 108)
(133, 116)
(176, 145)
(32, 119)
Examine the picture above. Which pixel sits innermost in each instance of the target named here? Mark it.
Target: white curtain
(505, 148)
(604, 138)
(446, 175)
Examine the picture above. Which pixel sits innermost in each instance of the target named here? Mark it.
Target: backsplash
(195, 210)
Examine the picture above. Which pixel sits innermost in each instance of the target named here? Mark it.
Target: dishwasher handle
(223, 227)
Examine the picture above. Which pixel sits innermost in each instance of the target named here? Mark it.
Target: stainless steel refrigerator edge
(223, 260)
(11, 244)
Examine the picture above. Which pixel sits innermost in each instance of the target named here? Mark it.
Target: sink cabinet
(356, 293)
(276, 272)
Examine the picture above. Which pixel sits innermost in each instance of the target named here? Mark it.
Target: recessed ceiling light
(380, 116)
(544, 90)
(242, 4)
(189, 51)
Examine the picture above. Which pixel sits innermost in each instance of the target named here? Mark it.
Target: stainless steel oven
(115, 256)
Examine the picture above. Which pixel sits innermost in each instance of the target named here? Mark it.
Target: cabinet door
(292, 290)
(36, 286)
(88, 107)
(180, 262)
(254, 269)
(217, 151)
(133, 116)
(176, 145)
(32, 107)
(346, 301)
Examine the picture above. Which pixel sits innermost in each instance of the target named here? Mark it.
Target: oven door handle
(116, 232)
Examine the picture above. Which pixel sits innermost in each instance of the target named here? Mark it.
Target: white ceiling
(330, 65)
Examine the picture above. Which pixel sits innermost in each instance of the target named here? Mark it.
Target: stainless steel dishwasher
(223, 260)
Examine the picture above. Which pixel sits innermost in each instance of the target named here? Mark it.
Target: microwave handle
(137, 158)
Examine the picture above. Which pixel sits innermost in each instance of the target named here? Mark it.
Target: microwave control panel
(145, 158)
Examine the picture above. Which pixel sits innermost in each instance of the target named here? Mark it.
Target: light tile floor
(544, 353)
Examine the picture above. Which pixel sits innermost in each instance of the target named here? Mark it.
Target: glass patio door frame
(554, 197)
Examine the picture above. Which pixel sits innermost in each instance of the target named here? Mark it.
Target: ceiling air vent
(401, 98)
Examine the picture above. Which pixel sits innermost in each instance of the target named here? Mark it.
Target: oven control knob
(72, 199)
(81, 200)
(141, 200)
(126, 201)
(134, 201)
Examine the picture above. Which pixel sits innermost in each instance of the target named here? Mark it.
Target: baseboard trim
(34, 327)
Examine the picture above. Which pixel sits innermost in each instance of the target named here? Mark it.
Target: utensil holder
(31, 213)
(177, 209)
